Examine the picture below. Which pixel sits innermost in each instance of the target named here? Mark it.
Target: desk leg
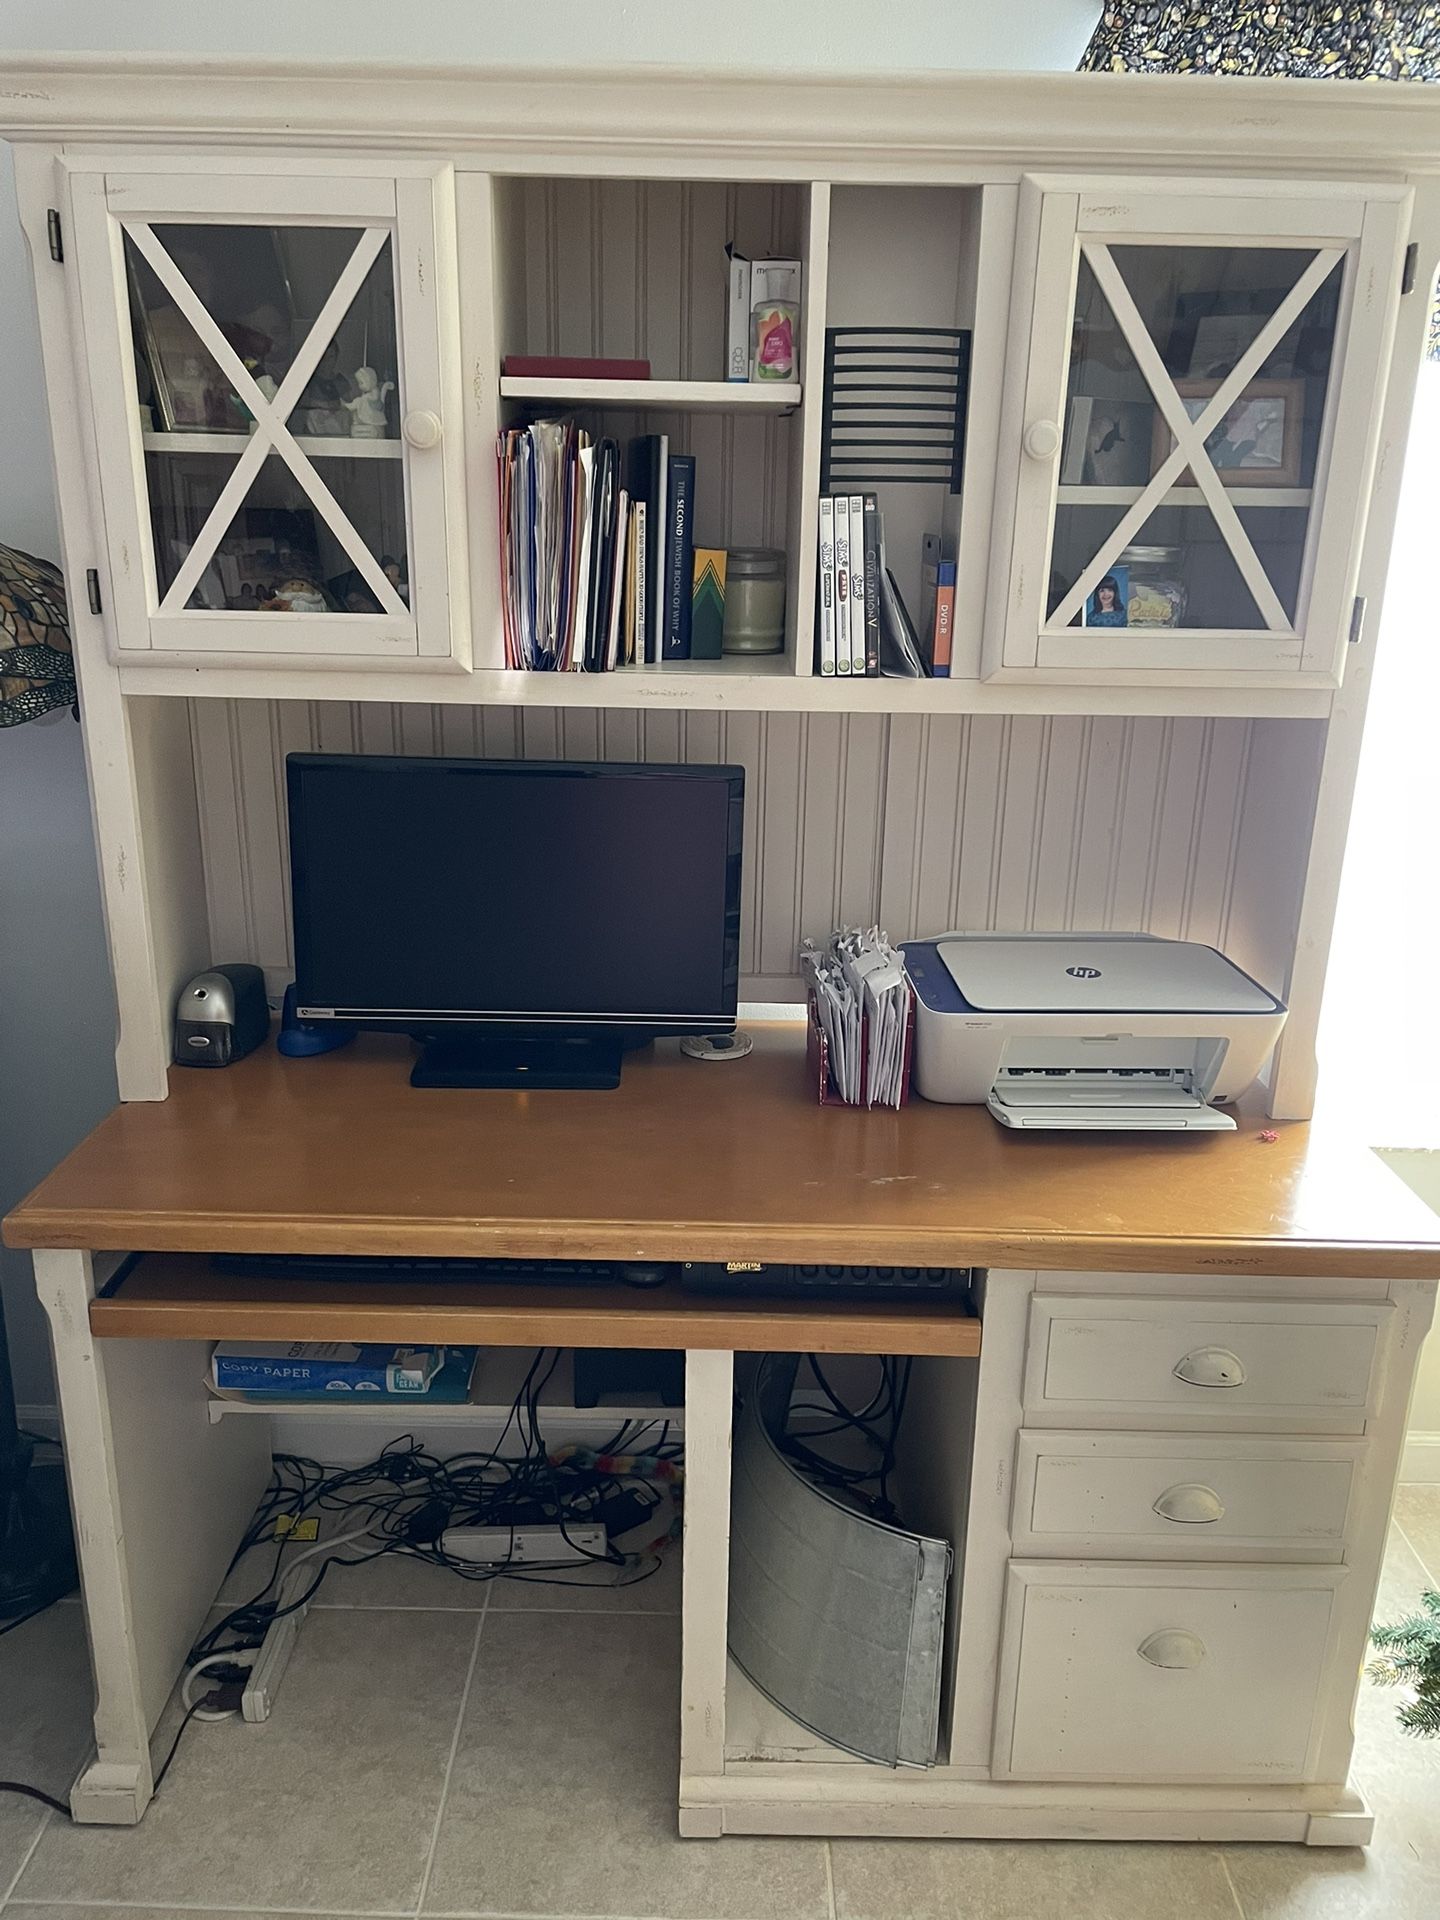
(709, 1393)
(160, 1500)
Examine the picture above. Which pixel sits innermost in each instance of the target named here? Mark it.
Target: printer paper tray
(1085, 1107)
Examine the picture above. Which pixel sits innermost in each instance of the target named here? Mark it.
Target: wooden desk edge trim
(1283, 1258)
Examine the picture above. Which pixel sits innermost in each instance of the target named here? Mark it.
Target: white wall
(56, 1022)
(841, 35)
(1420, 1170)
(1388, 920)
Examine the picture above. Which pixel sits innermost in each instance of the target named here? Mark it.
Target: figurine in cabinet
(190, 394)
(395, 574)
(268, 386)
(322, 405)
(367, 406)
(298, 596)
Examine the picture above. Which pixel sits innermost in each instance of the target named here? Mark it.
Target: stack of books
(597, 551)
(863, 628)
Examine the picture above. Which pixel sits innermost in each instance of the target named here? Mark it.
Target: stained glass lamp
(37, 673)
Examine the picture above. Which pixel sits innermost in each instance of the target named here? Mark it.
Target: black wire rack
(895, 404)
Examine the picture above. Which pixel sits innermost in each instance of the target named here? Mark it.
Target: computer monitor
(526, 919)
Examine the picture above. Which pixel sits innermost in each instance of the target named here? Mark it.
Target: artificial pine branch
(1410, 1657)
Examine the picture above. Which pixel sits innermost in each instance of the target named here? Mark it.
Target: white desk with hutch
(1193, 781)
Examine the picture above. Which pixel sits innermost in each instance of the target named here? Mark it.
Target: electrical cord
(877, 1425)
(19, 1786)
(34, 1793)
(191, 1714)
(58, 1806)
(407, 1499)
(230, 1663)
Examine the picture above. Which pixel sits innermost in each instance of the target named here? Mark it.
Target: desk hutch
(1193, 781)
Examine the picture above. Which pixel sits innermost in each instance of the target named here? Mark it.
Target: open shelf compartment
(636, 269)
(930, 1486)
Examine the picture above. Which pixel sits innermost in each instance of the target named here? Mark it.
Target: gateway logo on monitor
(1083, 973)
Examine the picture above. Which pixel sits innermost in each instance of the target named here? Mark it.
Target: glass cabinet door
(283, 424)
(1177, 453)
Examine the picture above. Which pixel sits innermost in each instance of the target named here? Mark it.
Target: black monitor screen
(515, 890)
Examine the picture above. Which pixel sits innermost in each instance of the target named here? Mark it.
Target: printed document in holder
(861, 1019)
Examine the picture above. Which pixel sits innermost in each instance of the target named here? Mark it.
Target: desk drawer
(1169, 1497)
(1166, 1673)
(1213, 1362)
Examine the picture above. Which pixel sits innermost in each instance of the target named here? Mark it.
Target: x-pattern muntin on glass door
(271, 436)
(1187, 434)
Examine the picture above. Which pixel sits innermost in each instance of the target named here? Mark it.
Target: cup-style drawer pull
(1173, 1647)
(1210, 1367)
(1042, 440)
(1190, 1504)
(421, 428)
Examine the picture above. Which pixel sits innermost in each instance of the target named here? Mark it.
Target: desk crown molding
(694, 119)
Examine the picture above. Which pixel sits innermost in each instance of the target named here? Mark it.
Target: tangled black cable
(877, 1425)
(408, 1499)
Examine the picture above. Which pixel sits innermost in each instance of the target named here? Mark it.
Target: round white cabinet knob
(1172, 1647)
(1210, 1367)
(1190, 1505)
(422, 428)
(1042, 440)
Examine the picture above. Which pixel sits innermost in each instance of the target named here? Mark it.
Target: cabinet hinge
(1357, 620)
(52, 227)
(1411, 266)
(92, 589)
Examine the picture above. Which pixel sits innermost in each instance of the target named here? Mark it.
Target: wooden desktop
(1290, 1250)
(692, 1160)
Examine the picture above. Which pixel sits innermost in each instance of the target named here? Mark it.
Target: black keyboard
(399, 1267)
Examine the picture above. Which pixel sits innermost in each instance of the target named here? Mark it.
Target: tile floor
(434, 1752)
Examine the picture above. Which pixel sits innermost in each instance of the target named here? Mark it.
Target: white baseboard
(1420, 1465)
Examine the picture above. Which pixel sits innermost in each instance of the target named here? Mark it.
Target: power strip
(525, 1546)
(270, 1664)
(273, 1656)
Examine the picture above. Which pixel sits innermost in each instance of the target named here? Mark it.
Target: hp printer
(1102, 1031)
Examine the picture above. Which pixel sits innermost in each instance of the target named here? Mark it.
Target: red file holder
(817, 1057)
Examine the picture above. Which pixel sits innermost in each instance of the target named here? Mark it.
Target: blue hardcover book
(679, 557)
(304, 1367)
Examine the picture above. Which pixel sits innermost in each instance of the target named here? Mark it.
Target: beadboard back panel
(1170, 826)
(635, 269)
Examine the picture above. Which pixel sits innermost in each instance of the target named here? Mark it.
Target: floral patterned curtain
(1306, 42)
(1338, 41)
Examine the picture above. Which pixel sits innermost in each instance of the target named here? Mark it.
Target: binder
(647, 477)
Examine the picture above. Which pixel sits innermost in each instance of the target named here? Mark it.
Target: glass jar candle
(754, 601)
(1157, 586)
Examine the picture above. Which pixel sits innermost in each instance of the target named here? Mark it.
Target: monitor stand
(481, 1059)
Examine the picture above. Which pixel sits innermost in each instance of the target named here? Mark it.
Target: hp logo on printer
(1083, 973)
